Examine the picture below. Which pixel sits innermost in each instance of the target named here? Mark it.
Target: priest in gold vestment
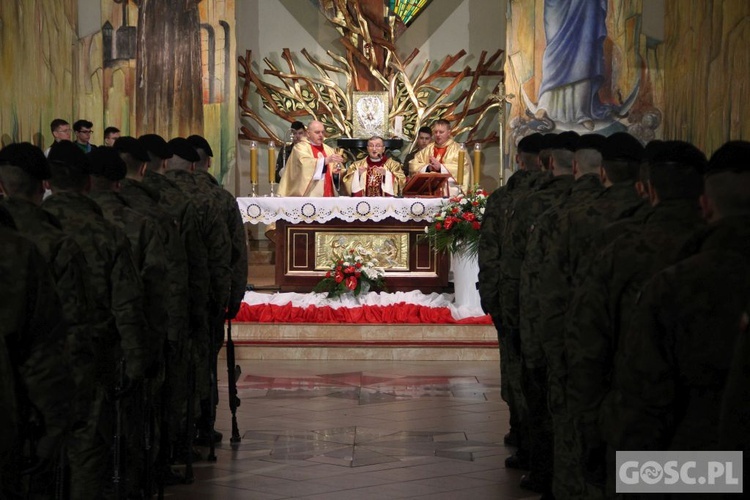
(375, 175)
(442, 157)
(311, 166)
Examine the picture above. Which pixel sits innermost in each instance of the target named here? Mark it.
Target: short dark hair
(110, 130)
(441, 121)
(730, 192)
(77, 126)
(68, 176)
(424, 130)
(297, 125)
(621, 170)
(675, 181)
(57, 123)
(18, 182)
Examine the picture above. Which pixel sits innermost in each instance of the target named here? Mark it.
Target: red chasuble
(327, 176)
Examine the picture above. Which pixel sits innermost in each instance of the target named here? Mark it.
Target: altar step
(396, 342)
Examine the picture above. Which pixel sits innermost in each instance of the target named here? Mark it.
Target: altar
(311, 231)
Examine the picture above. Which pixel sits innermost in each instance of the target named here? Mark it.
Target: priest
(375, 175)
(442, 157)
(312, 167)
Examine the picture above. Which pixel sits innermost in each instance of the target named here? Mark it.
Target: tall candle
(271, 162)
(461, 160)
(477, 162)
(254, 162)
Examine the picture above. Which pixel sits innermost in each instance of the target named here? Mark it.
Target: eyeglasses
(82, 131)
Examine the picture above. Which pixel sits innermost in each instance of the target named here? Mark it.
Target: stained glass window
(408, 10)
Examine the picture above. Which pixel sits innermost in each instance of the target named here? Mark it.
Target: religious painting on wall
(582, 65)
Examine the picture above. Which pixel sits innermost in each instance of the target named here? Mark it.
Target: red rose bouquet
(356, 274)
(456, 228)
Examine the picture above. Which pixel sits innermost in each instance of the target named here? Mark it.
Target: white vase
(465, 276)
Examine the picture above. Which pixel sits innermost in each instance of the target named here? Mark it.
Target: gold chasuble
(449, 164)
(305, 173)
(373, 182)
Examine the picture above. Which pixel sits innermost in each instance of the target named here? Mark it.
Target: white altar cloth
(267, 210)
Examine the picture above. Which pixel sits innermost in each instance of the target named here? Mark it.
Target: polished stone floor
(361, 430)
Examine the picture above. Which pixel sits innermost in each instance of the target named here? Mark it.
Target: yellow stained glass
(408, 10)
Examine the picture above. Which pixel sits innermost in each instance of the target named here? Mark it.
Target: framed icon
(370, 114)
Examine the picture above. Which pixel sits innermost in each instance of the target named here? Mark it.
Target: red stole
(327, 177)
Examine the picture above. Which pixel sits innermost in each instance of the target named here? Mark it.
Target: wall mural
(153, 66)
(582, 65)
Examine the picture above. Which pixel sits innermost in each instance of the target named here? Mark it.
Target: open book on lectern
(426, 185)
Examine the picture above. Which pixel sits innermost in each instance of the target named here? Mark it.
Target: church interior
(373, 408)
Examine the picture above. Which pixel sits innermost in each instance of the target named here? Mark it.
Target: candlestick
(253, 162)
(461, 160)
(271, 162)
(477, 162)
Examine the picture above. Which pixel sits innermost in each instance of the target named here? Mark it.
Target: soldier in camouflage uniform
(601, 307)
(145, 201)
(520, 219)
(174, 201)
(119, 324)
(215, 235)
(734, 420)
(571, 250)
(36, 385)
(489, 255)
(587, 186)
(671, 369)
(107, 169)
(233, 218)
(21, 180)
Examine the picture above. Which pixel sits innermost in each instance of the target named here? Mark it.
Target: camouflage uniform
(734, 423)
(490, 253)
(69, 272)
(174, 201)
(219, 253)
(119, 332)
(600, 312)
(575, 253)
(671, 369)
(36, 383)
(233, 217)
(520, 219)
(151, 263)
(533, 339)
(145, 201)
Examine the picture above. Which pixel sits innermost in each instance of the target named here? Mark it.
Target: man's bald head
(316, 132)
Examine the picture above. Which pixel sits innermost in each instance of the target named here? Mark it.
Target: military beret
(566, 140)
(531, 143)
(156, 144)
(652, 148)
(734, 156)
(68, 153)
(28, 158)
(548, 140)
(106, 162)
(131, 145)
(680, 152)
(182, 148)
(590, 141)
(622, 146)
(200, 142)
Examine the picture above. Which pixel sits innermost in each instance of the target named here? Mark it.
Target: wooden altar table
(310, 232)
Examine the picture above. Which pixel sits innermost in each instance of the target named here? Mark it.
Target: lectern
(426, 185)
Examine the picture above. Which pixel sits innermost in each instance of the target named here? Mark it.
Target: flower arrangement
(358, 273)
(455, 228)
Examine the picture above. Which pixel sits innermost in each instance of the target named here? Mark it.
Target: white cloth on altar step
(437, 300)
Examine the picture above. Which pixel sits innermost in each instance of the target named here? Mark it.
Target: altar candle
(271, 162)
(477, 162)
(254, 162)
(461, 160)
(398, 125)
